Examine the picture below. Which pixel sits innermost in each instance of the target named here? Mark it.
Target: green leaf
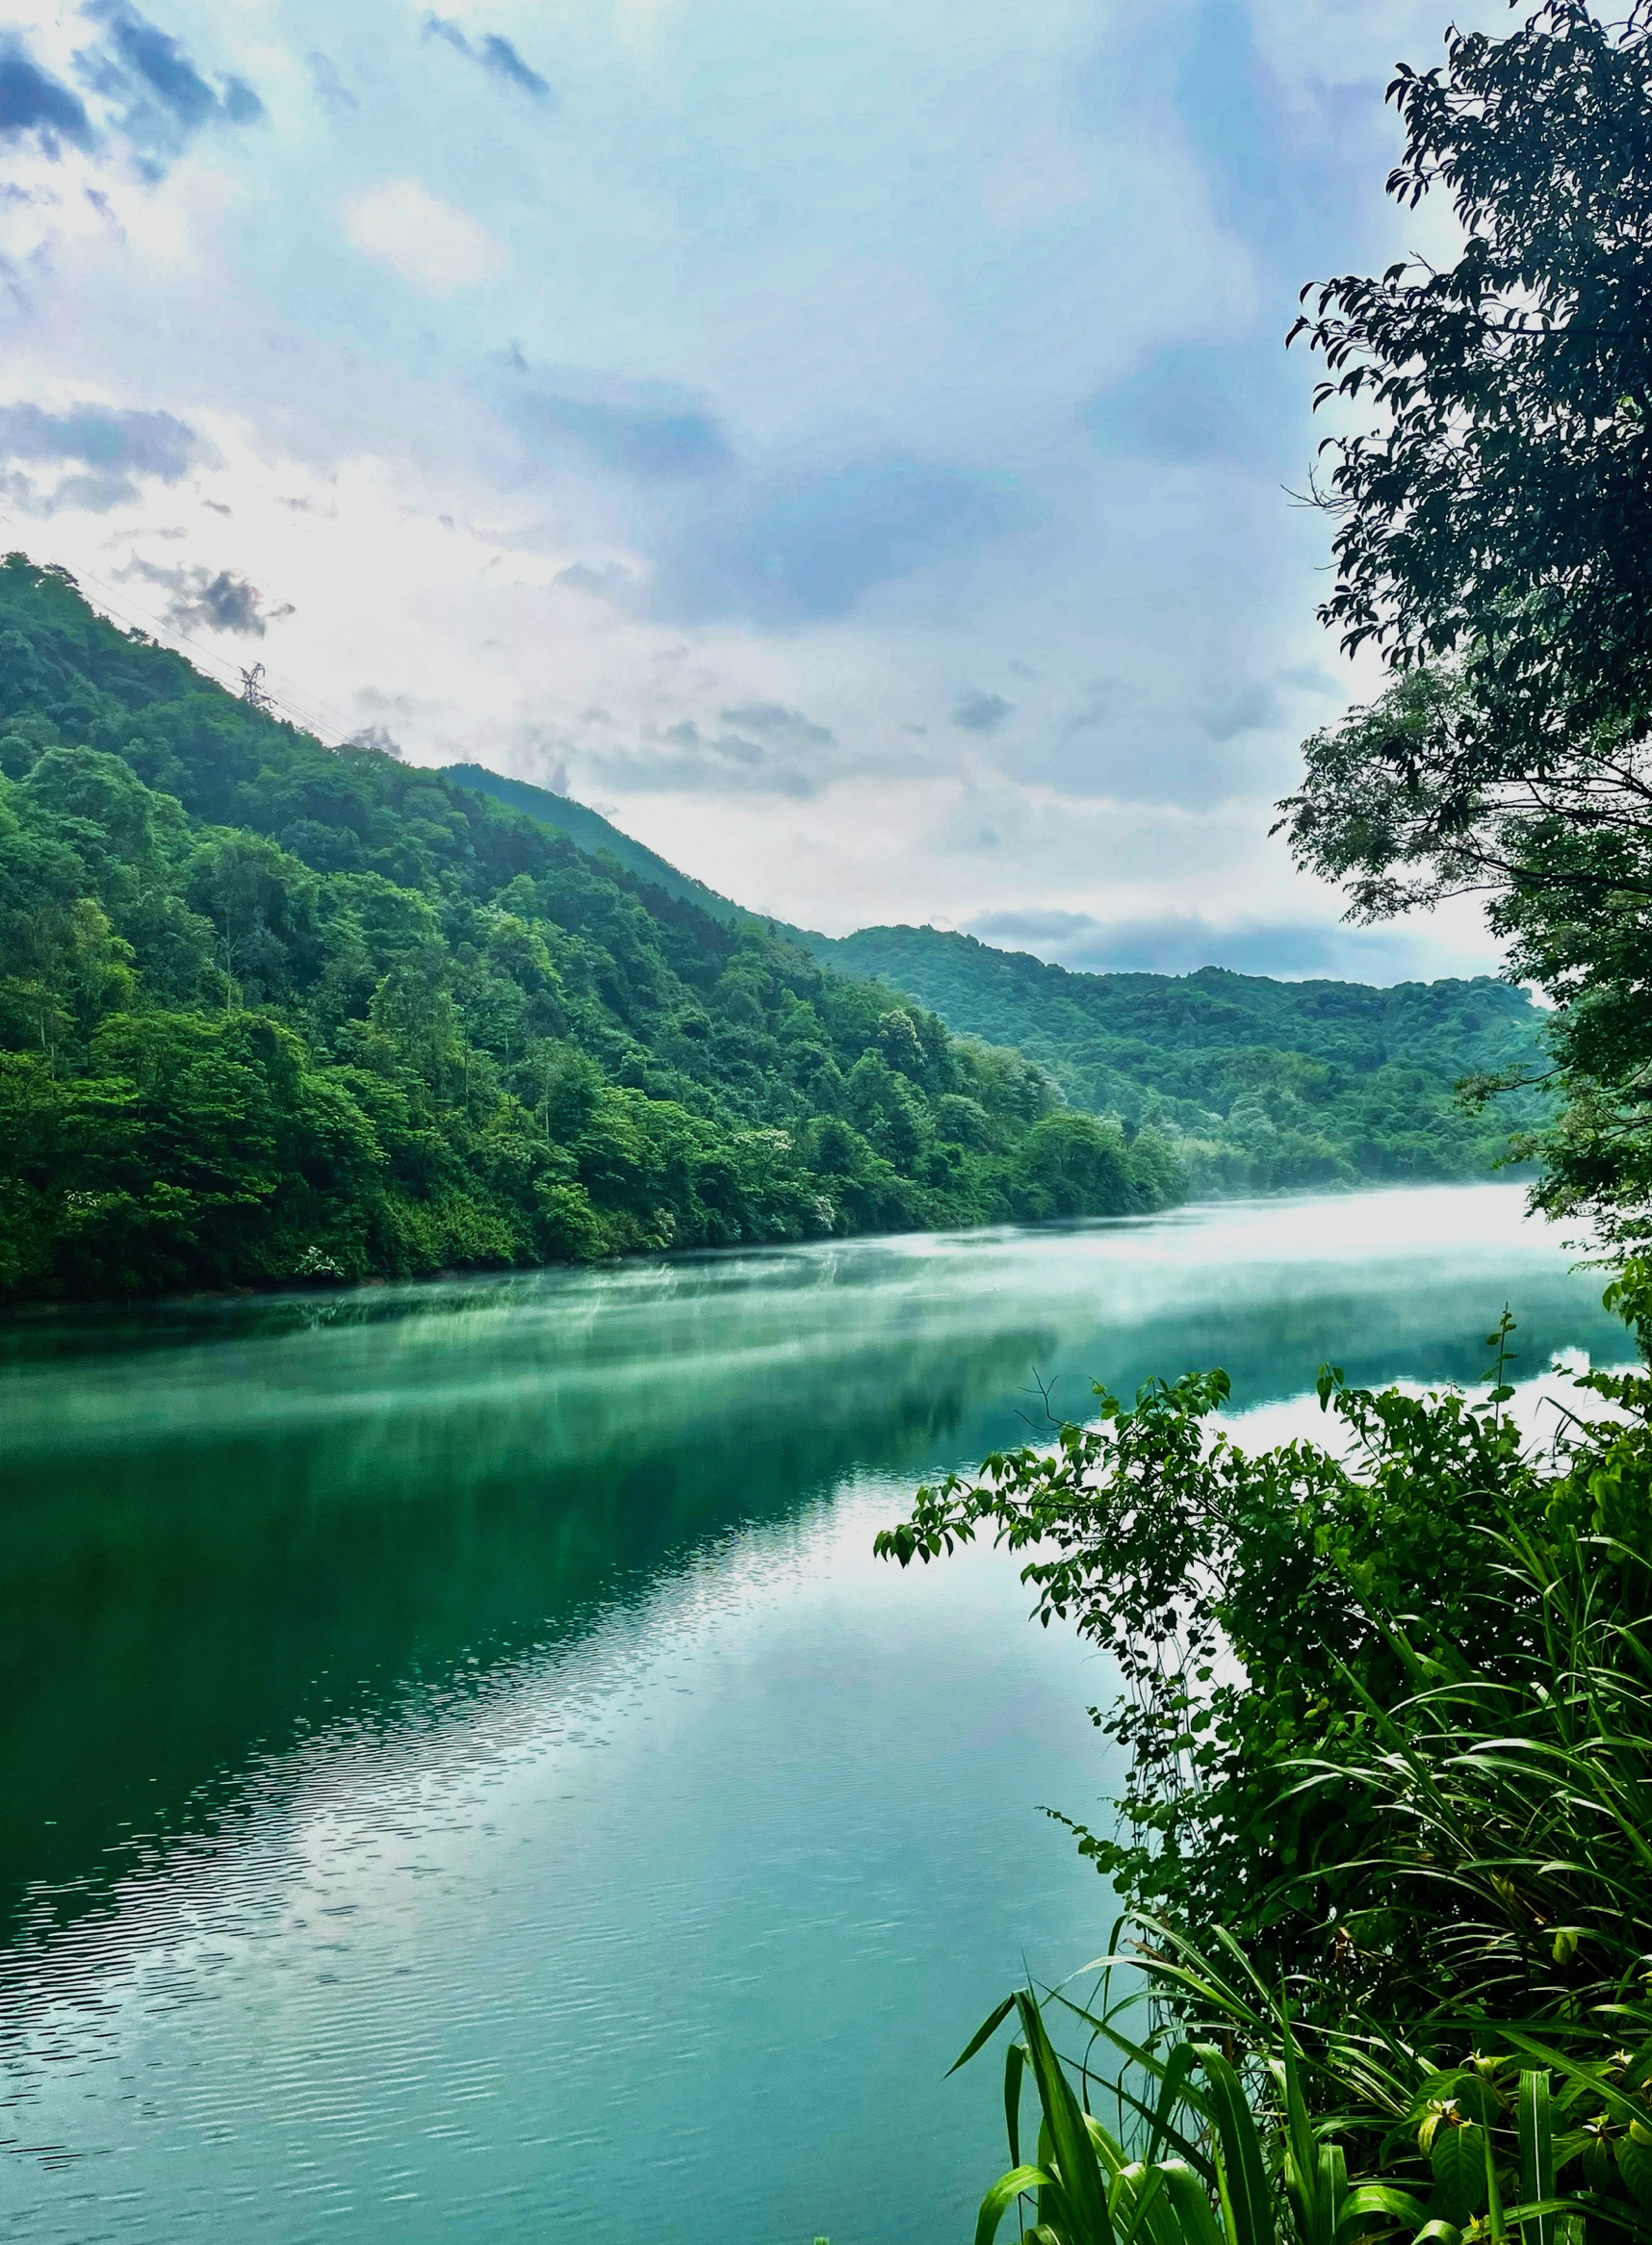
(1458, 2164)
(1534, 2124)
(1245, 2193)
(1002, 2196)
(1192, 2203)
(1635, 2164)
(1381, 2198)
(984, 2033)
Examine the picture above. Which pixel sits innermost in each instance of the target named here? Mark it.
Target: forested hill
(1268, 1083)
(594, 833)
(271, 1011)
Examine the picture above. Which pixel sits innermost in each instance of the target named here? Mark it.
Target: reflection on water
(448, 1728)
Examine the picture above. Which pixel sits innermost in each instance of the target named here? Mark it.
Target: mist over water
(465, 1775)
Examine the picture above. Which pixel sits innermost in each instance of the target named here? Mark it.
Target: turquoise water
(467, 1779)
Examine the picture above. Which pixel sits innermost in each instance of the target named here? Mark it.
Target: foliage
(1213, 2188)
(271, 1011)
(1229, 2153)
(1491, 539)
(1388, 1714)
(1260, 1085)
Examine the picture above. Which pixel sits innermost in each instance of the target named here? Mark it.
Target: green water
(466, 1778)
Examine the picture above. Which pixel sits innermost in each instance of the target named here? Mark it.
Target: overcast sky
(847, 442)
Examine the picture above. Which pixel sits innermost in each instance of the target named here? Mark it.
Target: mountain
(1261, 1083)
(593, 834)
(274, 1013)
(1258, 1085)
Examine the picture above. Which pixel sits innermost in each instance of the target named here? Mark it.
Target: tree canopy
(1492, 535)
(272, 1011)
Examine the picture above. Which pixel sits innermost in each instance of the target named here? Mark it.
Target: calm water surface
(465, 1777)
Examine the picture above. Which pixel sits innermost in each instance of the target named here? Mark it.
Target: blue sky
(848, 444)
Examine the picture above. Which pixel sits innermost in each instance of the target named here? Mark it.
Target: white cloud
(401, 224)
(947, 366)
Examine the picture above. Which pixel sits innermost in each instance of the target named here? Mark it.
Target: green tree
(1491, 539)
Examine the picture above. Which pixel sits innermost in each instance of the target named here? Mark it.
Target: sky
(850, 443)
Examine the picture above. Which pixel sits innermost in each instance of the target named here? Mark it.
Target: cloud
(647, 435)
(402, 225)
(975, 712)
(377, 736)
(613, 583)
(806, 545)
(216, 601)
(164, 98)
(786, 728)
(1188, 403)
(496, 55)
(1247, 709)
(114, 447)
(31, 101)
(149, 443)
(1180, 944)
(324, 76)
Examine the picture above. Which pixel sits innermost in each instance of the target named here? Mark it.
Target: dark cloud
(975, 712)
(786, 728)
(1180, 944)
(164, 99)
(792, 547)
(219, 600)
(1312, 678)
(499, 56)
(147, 443)
(31, 101)
(688, 759)
(1192, 401)
(645, 436)
(114, 447)
(495, 54)
(377, 736)
(728, 764)
(1247, 709)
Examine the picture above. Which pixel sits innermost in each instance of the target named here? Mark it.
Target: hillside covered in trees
(1261, 1084)
(272, 1011)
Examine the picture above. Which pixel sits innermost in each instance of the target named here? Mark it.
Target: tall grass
(1388, 1970)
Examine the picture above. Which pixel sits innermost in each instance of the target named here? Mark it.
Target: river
(465, 1776)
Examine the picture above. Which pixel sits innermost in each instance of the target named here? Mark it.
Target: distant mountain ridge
(1265, 1083)
(1239, 1059)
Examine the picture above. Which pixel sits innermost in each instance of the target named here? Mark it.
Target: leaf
(1244, 2192)
(1381, 2198)
(984, 2033)
(1002, 2196)
(1635, 2165)
(1534, 2125)
(1458, 2164)
(1199, 2224)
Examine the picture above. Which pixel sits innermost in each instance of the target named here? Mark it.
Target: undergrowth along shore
(1384, 1847)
